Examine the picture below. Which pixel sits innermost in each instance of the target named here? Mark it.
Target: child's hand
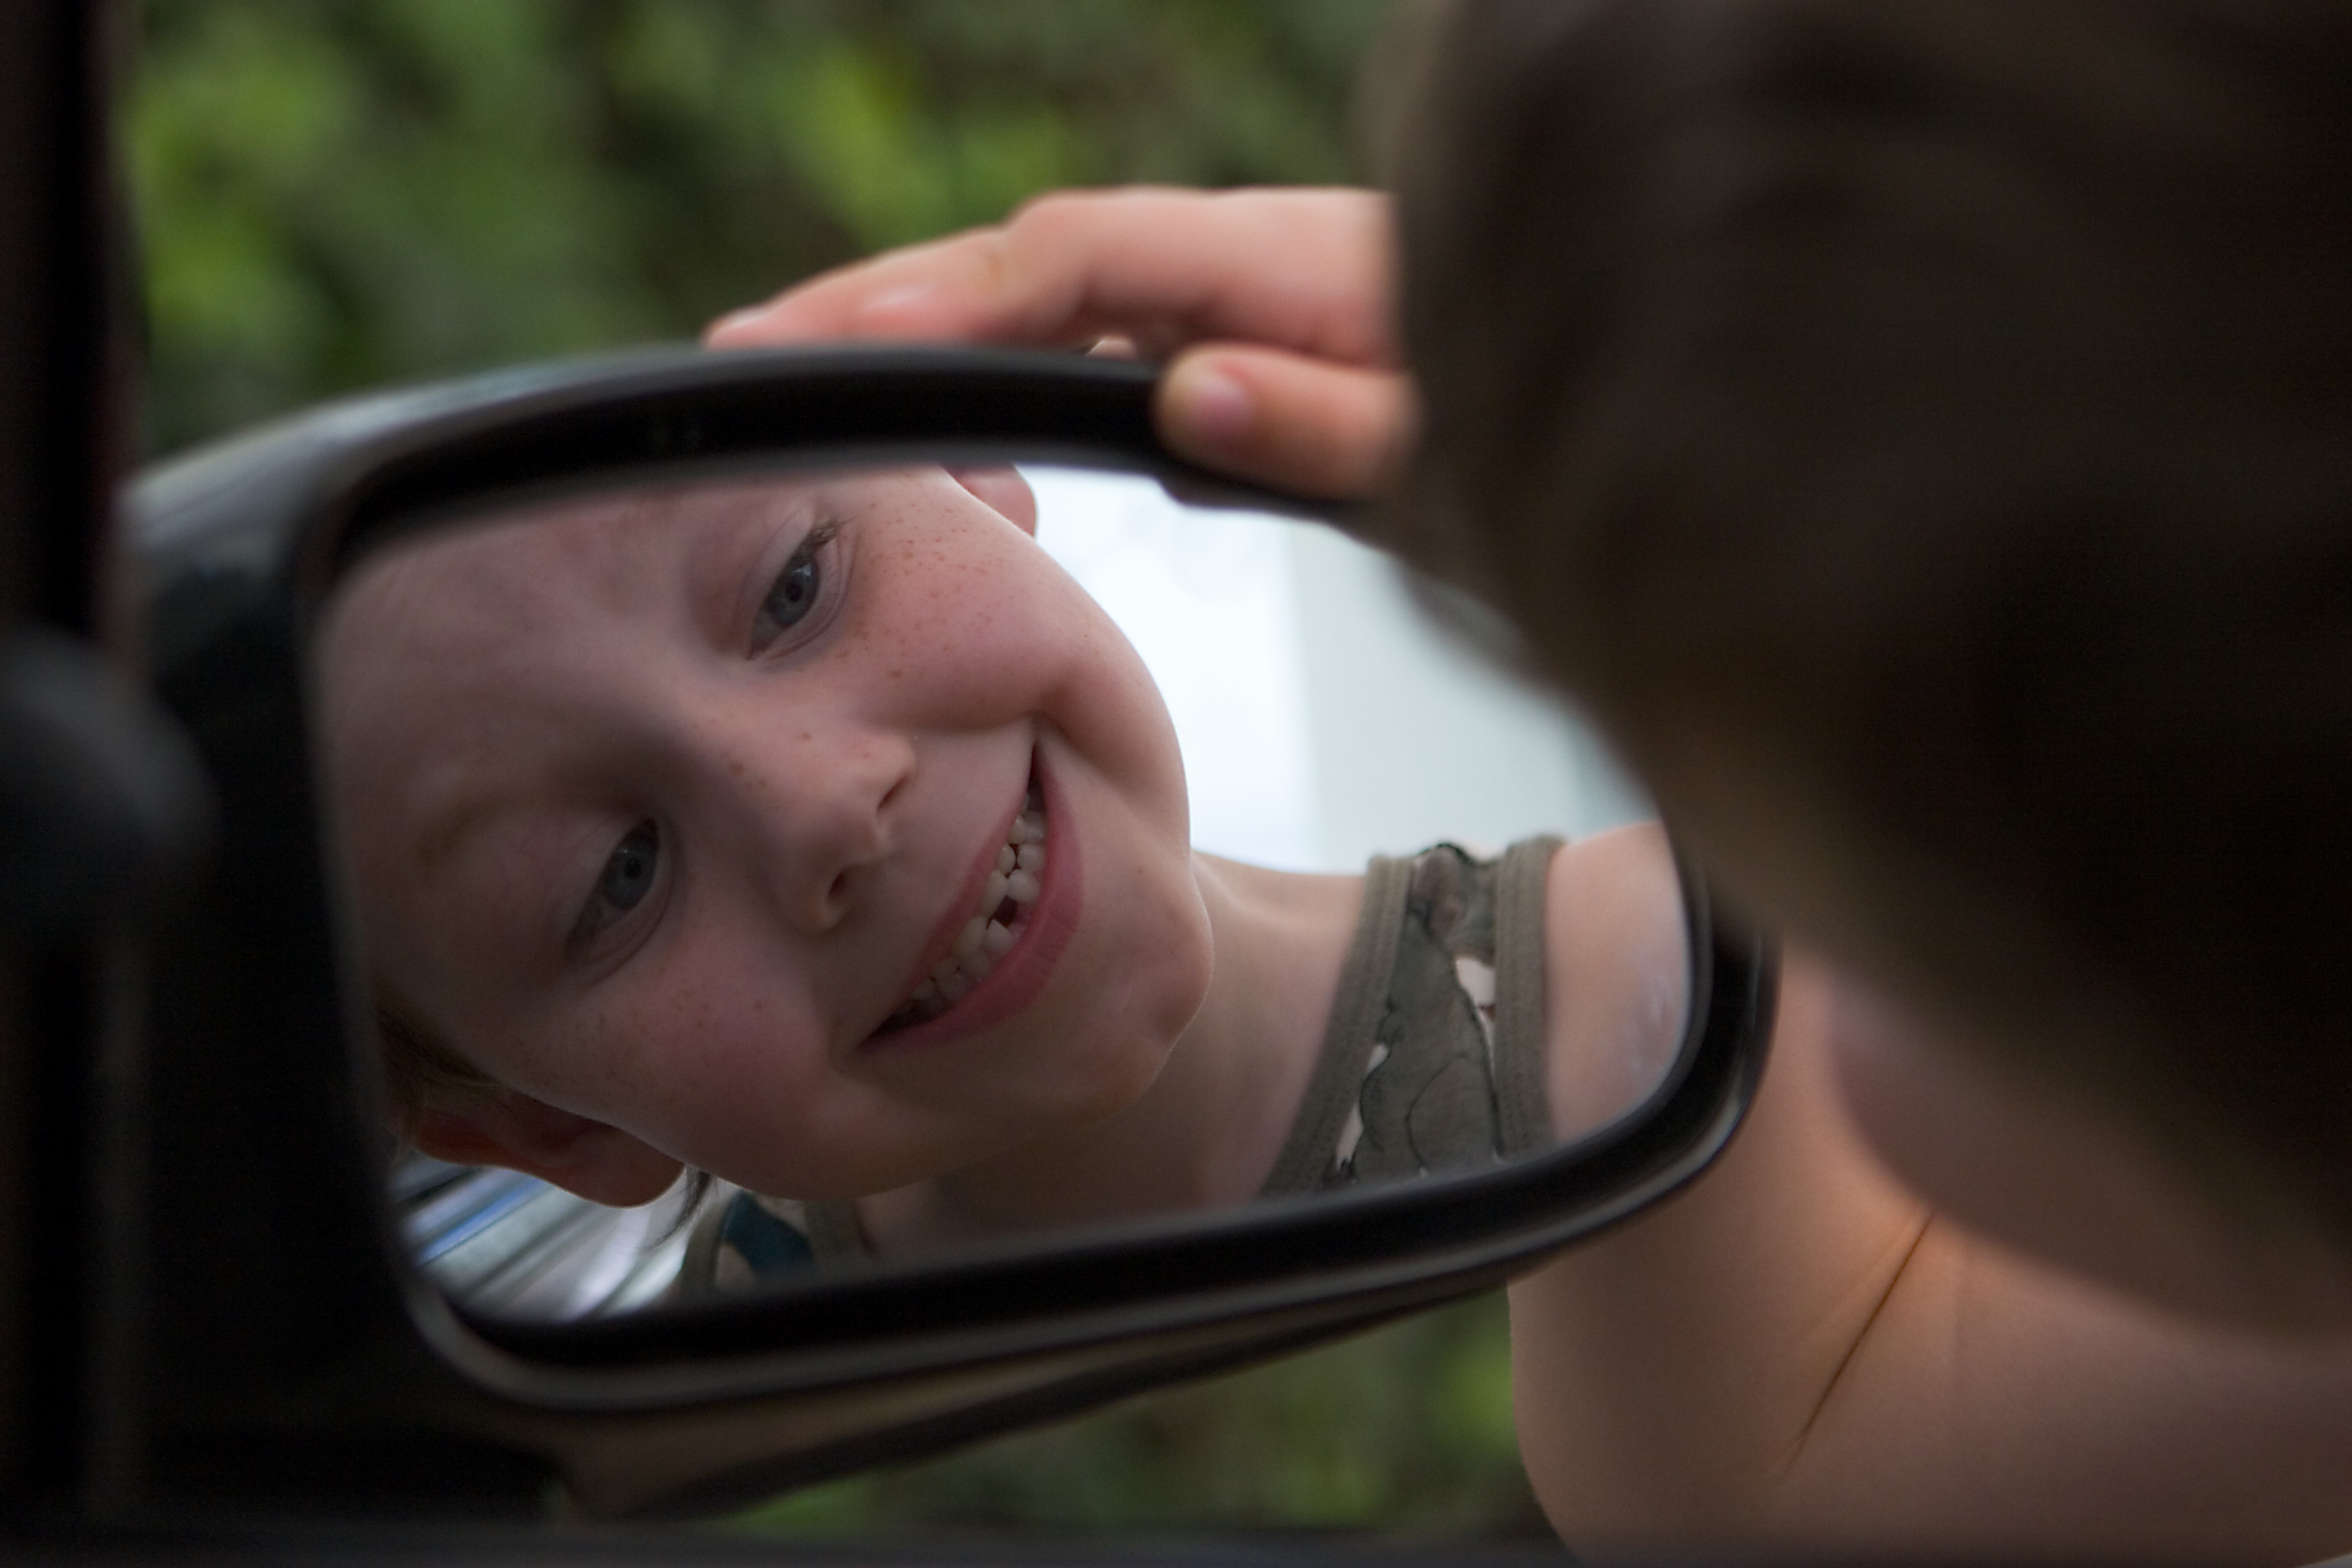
(1273, 307)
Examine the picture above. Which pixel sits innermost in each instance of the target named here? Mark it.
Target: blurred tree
(1407, 1431)
(336, 193)
(340, 193)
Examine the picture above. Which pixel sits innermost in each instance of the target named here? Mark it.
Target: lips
(993, 961)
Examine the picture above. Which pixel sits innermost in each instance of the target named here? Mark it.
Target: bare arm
(1795, 1351)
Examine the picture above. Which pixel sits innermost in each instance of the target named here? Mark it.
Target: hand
(1273, 309)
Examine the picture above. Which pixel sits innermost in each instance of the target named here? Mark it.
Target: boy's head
(819, 833)
(1925, 435)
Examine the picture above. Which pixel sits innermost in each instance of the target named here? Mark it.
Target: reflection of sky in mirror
(1322, 720)
(1206, 598)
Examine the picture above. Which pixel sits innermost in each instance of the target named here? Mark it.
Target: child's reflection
(826, 837)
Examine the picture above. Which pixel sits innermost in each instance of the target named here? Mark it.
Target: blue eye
(629, 874)
(797, 591)
(794, 594)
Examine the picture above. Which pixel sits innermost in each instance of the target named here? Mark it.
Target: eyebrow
(522, 892)
(444, 827)
(453, 822)
(731, 599)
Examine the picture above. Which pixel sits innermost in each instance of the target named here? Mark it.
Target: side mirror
(342, 610)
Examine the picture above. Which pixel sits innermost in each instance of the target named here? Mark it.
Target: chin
(1122, 1055)
(1118, 1077)
(1144, 989)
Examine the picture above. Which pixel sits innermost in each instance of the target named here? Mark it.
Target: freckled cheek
(970, 630)
(718, 1052)
(1116, 702)
(962, 642)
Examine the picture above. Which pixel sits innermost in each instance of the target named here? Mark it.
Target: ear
(599, 1162)
(1003, 490)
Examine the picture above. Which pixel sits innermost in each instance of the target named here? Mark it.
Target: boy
(824, 835)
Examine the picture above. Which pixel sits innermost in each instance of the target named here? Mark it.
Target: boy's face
(670, 811)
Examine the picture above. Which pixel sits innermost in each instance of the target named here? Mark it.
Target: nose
(805, 806)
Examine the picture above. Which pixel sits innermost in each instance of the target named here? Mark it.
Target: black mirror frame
(282, 1329)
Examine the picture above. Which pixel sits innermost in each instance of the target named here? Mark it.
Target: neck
(1206, 1132)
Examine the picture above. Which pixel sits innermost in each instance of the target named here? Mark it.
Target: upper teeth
(992, 930)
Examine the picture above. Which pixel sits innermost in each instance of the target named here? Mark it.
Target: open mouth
(996, 925)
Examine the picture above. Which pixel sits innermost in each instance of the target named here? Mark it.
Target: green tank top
(1432, 1062)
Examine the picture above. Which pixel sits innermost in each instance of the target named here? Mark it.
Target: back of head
(1924, 433)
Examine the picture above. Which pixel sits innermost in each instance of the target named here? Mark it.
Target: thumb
(1282, 419)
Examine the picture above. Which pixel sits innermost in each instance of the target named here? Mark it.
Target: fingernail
(1217, 408)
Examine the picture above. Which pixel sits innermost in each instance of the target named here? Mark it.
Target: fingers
(1321, 429)
(1293, 287)
(1304, 269)
(948, 289)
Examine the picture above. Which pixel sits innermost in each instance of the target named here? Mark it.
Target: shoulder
(1617, 979)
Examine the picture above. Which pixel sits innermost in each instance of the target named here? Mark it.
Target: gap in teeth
(1004, 904)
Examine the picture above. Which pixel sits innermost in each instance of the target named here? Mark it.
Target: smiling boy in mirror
(823, 835)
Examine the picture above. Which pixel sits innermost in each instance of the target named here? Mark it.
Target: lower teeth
(1013, 888)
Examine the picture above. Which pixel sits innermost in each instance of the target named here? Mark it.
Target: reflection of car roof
(517, 1248)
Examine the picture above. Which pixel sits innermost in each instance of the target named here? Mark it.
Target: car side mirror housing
(290, 1331)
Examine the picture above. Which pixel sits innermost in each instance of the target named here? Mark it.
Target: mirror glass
(766, 876)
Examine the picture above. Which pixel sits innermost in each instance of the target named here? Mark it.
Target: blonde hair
(422, 1070)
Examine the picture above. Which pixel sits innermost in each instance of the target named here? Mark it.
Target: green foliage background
(341, 192)
(1404, 1431)
(338, 194)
